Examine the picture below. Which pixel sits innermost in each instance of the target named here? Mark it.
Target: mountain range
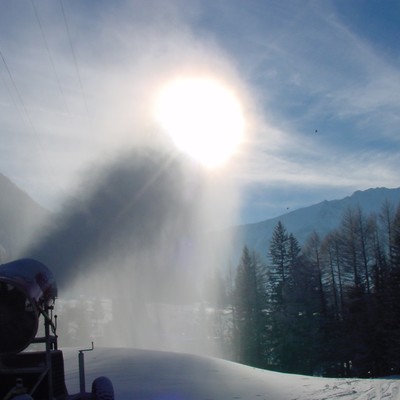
(322, 218)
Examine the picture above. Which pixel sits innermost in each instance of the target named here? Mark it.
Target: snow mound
(156, 375)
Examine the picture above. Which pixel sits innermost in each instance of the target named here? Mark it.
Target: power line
(28, 117)
(49, 54)
(37, 140)
(10, 94)
(74, 56)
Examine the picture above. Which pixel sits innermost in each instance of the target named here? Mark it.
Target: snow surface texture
(156, 375)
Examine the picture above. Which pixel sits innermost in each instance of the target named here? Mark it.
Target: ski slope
(156, 375)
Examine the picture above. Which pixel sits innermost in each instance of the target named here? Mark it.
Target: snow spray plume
(135, 204)
(136, 237)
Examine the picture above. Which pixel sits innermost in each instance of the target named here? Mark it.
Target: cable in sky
(21, 100)
(49, 54)
(8, 89)
(37, 141)
(28, 117)
(74, 56)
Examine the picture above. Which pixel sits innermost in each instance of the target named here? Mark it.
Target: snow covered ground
(156, 375)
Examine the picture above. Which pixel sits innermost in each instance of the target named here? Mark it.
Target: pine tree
(333, 279)
(312, 251)
(293, 322)
(361, 327)
(365, 230)
(249, 310)
(349, 246)
(279, 267)
(381, 257)
(395, 241)
(386, 218)
(293, 253)
(391, 302)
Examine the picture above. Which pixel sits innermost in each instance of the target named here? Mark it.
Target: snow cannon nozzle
(27, 289)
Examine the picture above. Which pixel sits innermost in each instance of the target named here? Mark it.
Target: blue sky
(77, 79)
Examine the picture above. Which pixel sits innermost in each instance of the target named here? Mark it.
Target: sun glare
(203, 118)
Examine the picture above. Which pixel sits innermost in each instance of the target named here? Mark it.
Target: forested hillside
(321, 218)
(330, 307)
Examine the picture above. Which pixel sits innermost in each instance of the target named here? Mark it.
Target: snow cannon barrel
(27, 287)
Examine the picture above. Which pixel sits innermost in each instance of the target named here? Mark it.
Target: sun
(203, 117)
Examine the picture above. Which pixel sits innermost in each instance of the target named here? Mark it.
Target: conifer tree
(312, 251)
(293, 250)
(349, 247)
(395, 241)
(249, 310)
(290, 332)
(278, 252)
(391, 302)
(279, 267)
(333, 279)
(386, 218)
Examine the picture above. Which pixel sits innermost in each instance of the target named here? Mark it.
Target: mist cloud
(137, 212)
(136, 233)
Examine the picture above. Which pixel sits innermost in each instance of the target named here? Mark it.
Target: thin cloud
(322, 69)
(298, 67)
(325, 169)
(331, 104)
(123, 56)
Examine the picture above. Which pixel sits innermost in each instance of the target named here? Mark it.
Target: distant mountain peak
(322, 217)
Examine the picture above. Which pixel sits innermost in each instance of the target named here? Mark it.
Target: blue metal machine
(27, 292)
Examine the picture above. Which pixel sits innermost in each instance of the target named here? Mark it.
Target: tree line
(330, 307)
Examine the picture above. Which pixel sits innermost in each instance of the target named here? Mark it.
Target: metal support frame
(81, 359)
(50, 341)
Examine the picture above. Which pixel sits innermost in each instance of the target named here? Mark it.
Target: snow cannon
(27, 292)
(27, 289)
